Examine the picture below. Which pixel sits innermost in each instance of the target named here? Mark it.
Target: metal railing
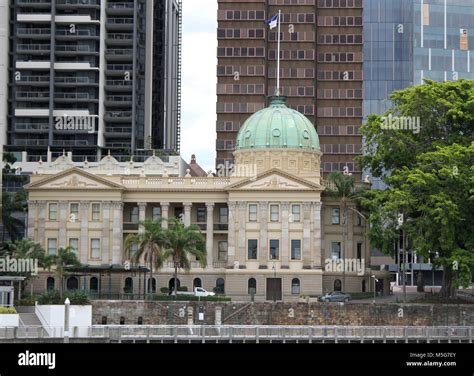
(249, 333)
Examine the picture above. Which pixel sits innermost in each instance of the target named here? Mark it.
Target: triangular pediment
(74, 178)
(275, 180)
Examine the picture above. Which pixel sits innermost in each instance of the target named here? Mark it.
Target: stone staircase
(29, 322)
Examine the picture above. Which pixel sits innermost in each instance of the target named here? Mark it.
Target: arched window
(140, 320)
(50, 283)
(171, 284)
(151, 288)
(94, 284)
(72, 283)
(197, 283)
(128, 287)
(337, 285)
(252, 286)
(295, 286)
(363, 285)
(220, 286)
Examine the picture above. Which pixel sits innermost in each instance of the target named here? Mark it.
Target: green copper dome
(277, 126)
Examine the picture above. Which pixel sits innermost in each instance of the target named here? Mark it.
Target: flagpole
(278, 55)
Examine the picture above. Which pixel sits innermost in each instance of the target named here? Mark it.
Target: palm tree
(25, 249)
(181, 242)
(149, 245)
(65, 258)
(11, 203)
(344, 189)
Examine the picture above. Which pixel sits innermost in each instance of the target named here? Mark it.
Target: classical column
(231, 234)
(317, 231)
(31, 225)
(117, 233)
(41, 222)
(141, 216)
(350, 234)
(62, 239)
(105, 238)
(187, 213)
(241, 253)
(263, 215)
(84, 240)
(210, 234)
(306, 235)
(285, 241)
(165, 206)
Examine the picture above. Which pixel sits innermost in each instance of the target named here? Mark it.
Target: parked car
(335, 296)
(198, 291)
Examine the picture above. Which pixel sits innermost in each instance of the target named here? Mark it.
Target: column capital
(210, 205)
(317, 205)
(187, 204)
(285, 205)
(142, 205)
(164, 204)
(232, 205)
(264, 205)
(307, 206)
(106, 204)
(32, 203)
(117, 205)
(41, 204)
(242, 204)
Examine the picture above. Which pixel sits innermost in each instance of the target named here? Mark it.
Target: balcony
(118, 145)
(32, 95)
(118, 69)
(74, 4)
(62, 143)
(73, 97)
(65, 50)
(118, 85)
(33, 49)
(120, 9)
(31, 127)
(80, 34)
(118, 54)
(34, 3)
(74, 81)
(119, 39)
(118, 100)
(28, 142)
(118, 131)
(118, 116)
(219, 264)
(33, 80)
(33, 33)
(119, 24)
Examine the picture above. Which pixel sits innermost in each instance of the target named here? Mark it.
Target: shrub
(191, 298)
(165, 290)
(7, 311)
(27, 300)
(76, 297)
(50, 297)
(182, 288)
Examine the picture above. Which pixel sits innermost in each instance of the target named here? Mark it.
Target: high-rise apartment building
(321, 70)
(92, 75)
(406, 41)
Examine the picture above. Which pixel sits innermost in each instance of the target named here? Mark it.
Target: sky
(198, 106)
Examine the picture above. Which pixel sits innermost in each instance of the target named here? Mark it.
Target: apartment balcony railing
(120, 6)
(32, 95)
(118, 114)
(72, 143)
(67, 48)
(120, 36)
(121, 130)
(74, 96)
(33, 79)
(118, 145)
(32, 31)
(28, 142)
(118, 83)
(130, 226)
(119, 23)
(78, 2)
(33, 47)
(34, 2)
(119, 98)
(31, 127)
(73, 80)
(124, 9)
(78, 33)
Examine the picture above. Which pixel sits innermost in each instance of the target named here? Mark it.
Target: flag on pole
(273, 22)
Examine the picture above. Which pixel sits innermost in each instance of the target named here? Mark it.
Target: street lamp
(375, 280)
(66, 320)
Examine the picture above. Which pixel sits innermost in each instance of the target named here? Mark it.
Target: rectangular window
(201, 215)
(95, 248)
(426, 14)
(274, 213)
(222, 246)
(133, 249)
(253, 212)
(223, 215)
(359, 251)
(134, 214)
(274, 249)
(336, 250)
(53, 212)
(295, 213)
(252, 249)
(73, 212)
(463, 42)
(74, 244)
(335, 216)
(156, 213)
(296, 249)
(96, 212)
(52, 246)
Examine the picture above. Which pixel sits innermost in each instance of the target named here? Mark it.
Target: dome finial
(277, 100)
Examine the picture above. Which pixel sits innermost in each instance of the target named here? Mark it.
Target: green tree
(343, 188)
(181, 242)
(149, 245)
(64, 259)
